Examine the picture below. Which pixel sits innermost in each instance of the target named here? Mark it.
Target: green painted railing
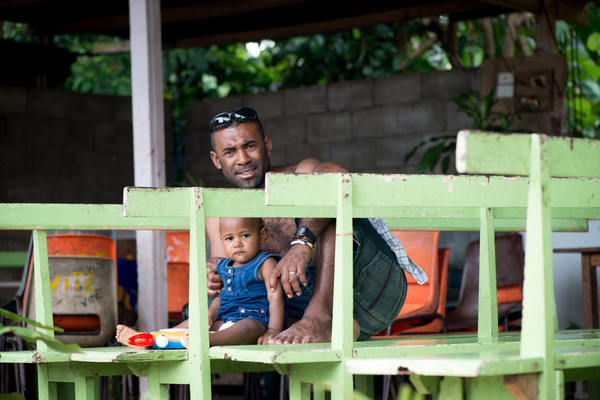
(532, 201)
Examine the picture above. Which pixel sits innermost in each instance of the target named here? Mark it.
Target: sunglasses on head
(223, 120)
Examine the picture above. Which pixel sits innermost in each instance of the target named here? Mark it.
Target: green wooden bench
(542, 359)
(408, 202)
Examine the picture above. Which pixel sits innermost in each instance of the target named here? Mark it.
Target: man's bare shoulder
(310, 165)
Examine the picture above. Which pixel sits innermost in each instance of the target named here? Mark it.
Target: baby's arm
(212, 311)
(276, 302)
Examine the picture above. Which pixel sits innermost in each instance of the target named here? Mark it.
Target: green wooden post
(537, 336)
(487, 325)
(156, 389)
(41, 276)
(199, 359)
(451, 388)
(46, 390)
(85, 388)
(43, 310)
(342, 329)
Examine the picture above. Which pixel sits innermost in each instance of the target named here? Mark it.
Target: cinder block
(355, 155)
(93, 108)
(267, 105)
(475, 79)
(57, 165)
(13, 99)
(331, 127)
(70, 134)
(287, 130)
(375, 122)
(201, 113)
(22, 129)
(350, 95)
(393, 149)
(113, 136)
(15, 158)
(446, 84)
(122, 109)
(398, 89)
(305, 100)
(49, 103)
(456, 120)
(292, 154)
(425, 116)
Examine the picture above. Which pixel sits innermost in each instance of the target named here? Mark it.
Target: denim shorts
(379, 282)
(260, 315)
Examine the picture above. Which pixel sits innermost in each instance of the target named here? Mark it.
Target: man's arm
(291, 266)
(217, 252)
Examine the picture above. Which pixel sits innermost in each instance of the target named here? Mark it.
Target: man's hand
(290, 269)
(214, 283)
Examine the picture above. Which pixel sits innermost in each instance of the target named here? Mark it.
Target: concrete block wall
(64, 147)
(366, 126)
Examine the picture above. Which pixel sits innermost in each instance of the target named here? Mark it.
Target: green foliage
(582, 99)
(32, 335)
(442, 147)
(16, 31)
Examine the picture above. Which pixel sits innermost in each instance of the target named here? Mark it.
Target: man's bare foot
(307, 330)
(124, 333)
(185, 339)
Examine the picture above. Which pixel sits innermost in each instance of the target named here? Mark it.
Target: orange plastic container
(83, 284)
(178, 272)
(81, 245)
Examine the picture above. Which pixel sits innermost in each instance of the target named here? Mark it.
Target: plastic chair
(422, 311)
(83, 273)
(421, 323)
(178, 273)
(428, 323)
(510, 263)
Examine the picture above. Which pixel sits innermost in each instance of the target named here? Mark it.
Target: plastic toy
(162, 339)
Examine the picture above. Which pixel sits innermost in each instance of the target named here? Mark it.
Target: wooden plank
(473, 225)
(278, 354)
(460, 364)
(376, 192)
(30, 216)
(508, 154)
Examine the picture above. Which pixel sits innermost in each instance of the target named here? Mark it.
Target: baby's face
(242, 238)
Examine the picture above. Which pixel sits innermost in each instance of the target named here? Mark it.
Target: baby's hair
(257, 221)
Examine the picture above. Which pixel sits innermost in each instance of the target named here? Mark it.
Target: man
(241, 151)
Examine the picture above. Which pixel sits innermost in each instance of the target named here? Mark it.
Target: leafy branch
(31, 335)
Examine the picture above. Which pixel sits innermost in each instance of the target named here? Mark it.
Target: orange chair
(510, 264)
(428, 323)
(424, 307)
(178, 273)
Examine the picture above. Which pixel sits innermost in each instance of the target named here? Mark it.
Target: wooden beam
(574, 11)
(149, 155)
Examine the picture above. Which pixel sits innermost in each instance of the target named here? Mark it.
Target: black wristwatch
(305, 232)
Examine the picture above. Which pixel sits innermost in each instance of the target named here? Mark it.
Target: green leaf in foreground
(31, 335)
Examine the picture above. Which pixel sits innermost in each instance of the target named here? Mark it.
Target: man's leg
(379, 281)
(379, 288)
(315, 325)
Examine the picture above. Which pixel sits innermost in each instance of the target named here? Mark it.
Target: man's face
(242, 154)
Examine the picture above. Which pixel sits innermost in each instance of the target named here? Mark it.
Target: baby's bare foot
(124, 333)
